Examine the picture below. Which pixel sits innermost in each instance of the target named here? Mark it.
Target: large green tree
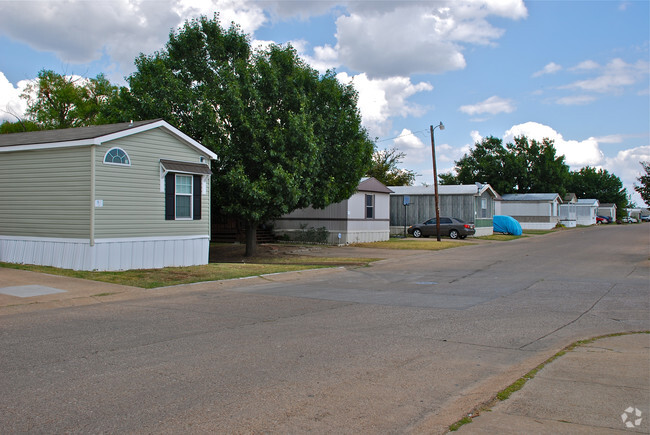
(58, 101)
(599, 184)
(286, 137)
(643, 188)
(519, 167)
(385, 168)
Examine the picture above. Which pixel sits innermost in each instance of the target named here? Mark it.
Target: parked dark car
(452, 227)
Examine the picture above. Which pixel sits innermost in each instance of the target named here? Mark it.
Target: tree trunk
(251, 239)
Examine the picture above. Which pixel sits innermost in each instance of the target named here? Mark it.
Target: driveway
(408, 344)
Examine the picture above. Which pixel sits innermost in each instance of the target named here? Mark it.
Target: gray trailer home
(108, 197)
(534, 211)
(473, 203)
(362, 218)
(586, 211)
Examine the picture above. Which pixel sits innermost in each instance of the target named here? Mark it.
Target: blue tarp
(506, 224)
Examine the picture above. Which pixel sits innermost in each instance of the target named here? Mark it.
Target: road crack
(572, 321)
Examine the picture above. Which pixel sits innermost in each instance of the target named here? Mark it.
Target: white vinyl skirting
(106, 254)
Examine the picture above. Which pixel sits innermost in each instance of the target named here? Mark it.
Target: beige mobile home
(534, 211)
(108, 197)
(360, 219)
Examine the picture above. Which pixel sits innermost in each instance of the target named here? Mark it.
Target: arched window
(117, 156)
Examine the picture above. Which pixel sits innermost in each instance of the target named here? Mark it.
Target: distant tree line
(530, 166)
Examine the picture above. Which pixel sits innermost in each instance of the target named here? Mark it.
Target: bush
(311, 234)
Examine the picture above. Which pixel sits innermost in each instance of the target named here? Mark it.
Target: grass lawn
(228, 263)
(409, 243)
(151, 278)
(500, 237)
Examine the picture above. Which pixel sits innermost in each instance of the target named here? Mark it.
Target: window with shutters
(182, 196)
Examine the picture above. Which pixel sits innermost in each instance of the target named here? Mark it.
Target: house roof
(186, 167)
(606, 205)
(458, 189)
(531, 197)
(371, 184)
(570, 197)
(92, 135)
(588, 201)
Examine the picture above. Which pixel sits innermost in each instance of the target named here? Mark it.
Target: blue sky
(574, 71)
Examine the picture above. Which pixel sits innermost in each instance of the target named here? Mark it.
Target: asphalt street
(408, 344)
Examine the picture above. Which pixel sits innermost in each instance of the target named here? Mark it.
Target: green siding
(422, 208)
(483, 223)
(133, 205)
(45, 193)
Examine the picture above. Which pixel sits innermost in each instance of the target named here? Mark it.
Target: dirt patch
(270, 253)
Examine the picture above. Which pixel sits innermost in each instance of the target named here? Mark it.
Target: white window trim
(366, 206)
(191, 195)
(116, 164)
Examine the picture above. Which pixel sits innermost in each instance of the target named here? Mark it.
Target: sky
(576, 72)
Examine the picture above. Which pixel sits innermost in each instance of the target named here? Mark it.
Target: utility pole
(435, 178)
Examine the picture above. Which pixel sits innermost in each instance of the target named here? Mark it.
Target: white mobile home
(534, 211)
(586, 211)
(106, 197)
(360, 219)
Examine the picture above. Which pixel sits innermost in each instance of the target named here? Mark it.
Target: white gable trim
(110, 137)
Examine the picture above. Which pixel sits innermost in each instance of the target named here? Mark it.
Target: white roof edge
(41, 146)
(157, 124)
(113, 136)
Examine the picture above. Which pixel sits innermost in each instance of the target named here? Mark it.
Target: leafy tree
(57, 101)
(488, 162)
(643, 188)
(536, 167)
(385, 168)
(286, 137)
(595, 183)
(519, 167)
(19, 126)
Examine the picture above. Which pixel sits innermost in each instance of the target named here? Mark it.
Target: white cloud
(586, 65)
(83, 31)
(381, 99)
(613, 77)
(324, 58)
(493, 105)
(625, 165)
(577, 153)
(403, 38)
(576, 100)
(550, 68)
(11, 105)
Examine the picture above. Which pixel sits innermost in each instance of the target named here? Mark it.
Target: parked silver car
(453, 227)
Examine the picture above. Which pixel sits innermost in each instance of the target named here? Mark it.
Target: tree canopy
(643, 188)
(286, 137)
(590, 182)
(385, 168)
(519, 167)
(58, 101)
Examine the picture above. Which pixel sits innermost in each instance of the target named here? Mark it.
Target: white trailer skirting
(106, 254)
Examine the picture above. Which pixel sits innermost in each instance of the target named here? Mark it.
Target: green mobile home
(473, 203)
(108, 197)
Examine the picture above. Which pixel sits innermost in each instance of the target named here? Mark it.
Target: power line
(413, 133)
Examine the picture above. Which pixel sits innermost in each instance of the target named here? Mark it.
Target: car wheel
(453, 234)
(417, 233)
